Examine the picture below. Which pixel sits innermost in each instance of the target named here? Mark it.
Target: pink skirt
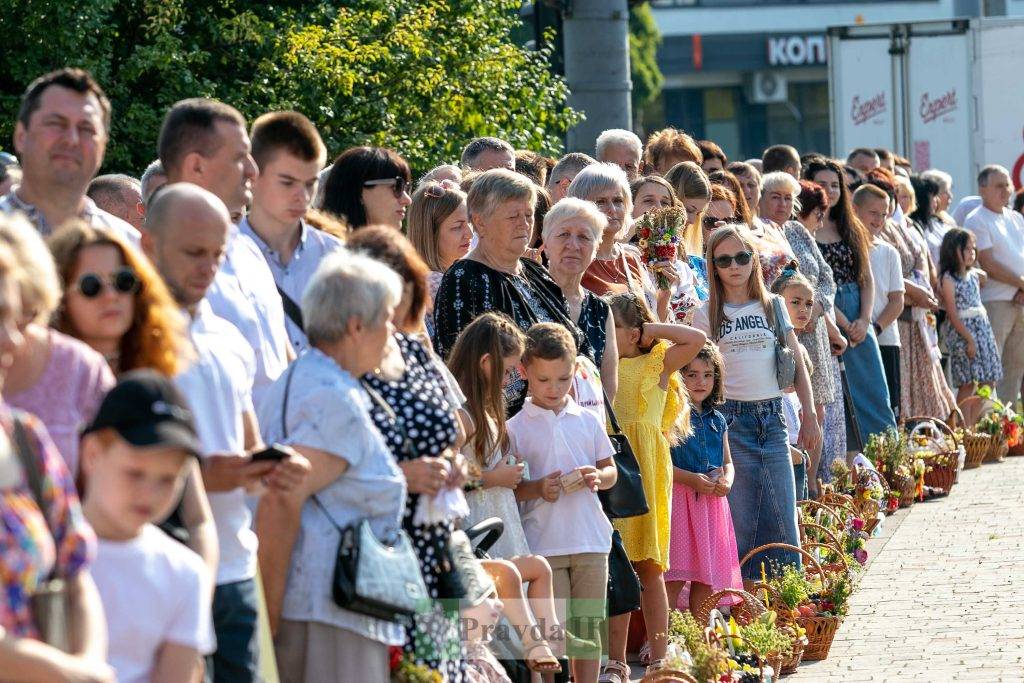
(703, 545)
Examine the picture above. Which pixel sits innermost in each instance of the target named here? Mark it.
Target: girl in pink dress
(703, 546)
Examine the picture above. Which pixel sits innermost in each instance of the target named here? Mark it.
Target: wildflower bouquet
(659, 234)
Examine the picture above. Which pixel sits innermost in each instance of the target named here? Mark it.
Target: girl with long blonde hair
(742, 317)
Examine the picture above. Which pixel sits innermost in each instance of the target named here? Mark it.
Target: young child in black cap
(156, 593)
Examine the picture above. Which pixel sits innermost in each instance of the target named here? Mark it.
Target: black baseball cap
(146, 409)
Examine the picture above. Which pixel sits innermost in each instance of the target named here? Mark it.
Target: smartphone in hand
(274, 452)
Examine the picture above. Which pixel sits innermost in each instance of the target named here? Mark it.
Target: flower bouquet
(889, 452)
(1001, 424)
(659, 234)
(405, 670)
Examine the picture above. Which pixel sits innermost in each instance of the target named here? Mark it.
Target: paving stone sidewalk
(943, 598)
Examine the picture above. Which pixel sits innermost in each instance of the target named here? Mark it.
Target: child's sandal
(614, 672)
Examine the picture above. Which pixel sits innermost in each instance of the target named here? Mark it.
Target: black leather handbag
(626, 498)
(623, 583)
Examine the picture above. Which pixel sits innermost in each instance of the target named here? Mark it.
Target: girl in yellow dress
(652, 409)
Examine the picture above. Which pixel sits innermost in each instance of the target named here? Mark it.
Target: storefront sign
(796, 50)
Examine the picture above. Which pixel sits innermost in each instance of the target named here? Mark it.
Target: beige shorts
(580, 584)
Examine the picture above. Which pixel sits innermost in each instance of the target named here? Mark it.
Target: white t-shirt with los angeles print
(747, 342)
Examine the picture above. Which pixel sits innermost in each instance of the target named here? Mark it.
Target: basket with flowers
(1000, 424)
(932, 441)
(405, 670)
(889, 452)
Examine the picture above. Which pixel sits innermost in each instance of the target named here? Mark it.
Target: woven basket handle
(814, 505)
(751, 602)
(837, 551)
(815, 565)
(832, 538)
(931, 423)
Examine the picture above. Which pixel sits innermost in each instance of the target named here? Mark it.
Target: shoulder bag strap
(291, 309)
(629, 277)
(610, 413)
(33, 470)
(284, 403)
(777, 308)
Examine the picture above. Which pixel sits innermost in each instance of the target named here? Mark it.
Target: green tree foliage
(421, 76)
(644, 39)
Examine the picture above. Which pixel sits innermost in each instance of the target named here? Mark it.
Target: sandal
(546, 663)
(654, 667)
(645, 653)
(614, 672)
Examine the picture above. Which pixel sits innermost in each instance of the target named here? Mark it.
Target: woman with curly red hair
(115, 301)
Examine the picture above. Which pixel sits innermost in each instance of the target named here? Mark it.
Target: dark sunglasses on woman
(123, 281)
(398, 184)
(725, 260)
(710, 221)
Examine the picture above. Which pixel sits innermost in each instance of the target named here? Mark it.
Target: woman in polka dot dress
(422, 411)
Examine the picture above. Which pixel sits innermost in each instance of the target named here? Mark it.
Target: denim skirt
(763, 495)
(864, 371)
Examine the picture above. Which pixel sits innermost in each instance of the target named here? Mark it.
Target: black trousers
(891, 365)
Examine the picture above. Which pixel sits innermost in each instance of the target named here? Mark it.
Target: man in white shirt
(999, 233)
(119, 195)
(186, 236)
(871, 205)
(289, 152)
(61, 137)
(155, 591)
(205, 142)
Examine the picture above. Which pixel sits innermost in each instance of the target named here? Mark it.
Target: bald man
(187, 230)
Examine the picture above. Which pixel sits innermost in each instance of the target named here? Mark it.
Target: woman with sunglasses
(740, 317)
(115, 302)
(56, 377)
(368, 186)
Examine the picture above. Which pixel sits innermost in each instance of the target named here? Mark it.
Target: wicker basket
(943, 464)
(820, 630)
(1016, 450)
(976, 446)
(825, 515)
(997, 449)
(905, 485)
(668, 676)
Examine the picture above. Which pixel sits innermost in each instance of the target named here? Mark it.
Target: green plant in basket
(888, 451)
(707, 662)
(841, 477)
(1000, 420)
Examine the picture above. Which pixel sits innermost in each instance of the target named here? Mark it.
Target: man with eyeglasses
(289, 152)
(205, 142)
(61, 137)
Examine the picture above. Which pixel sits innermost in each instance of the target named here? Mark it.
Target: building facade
(752, 73)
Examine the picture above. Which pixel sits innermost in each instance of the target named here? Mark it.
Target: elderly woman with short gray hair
(320, 409)
(617, 267)
(494, 276)
(571, 233)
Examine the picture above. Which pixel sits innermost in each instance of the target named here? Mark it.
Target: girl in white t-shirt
(797, 294)
(741, 316)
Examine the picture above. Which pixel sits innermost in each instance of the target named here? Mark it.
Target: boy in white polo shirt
(155, 591)
(569, 456)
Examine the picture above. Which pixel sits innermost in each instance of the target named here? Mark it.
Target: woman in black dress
(495, 276)
(572, 231)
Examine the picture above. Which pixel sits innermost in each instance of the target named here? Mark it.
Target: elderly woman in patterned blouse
(495, 276)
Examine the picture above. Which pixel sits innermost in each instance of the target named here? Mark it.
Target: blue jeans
(235, 616)
(864, 371)
(763, 495)
(800, 478)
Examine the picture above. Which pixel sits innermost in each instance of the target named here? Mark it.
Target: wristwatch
(878, 330)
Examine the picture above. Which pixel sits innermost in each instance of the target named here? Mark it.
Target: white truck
(945, 94)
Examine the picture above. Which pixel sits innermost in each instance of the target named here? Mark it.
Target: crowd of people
(230, 383)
